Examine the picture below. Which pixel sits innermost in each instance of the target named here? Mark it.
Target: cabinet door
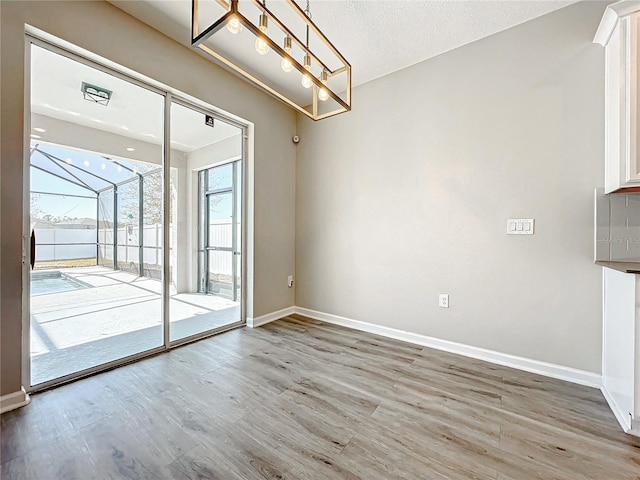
(615, 112)
(632, 162)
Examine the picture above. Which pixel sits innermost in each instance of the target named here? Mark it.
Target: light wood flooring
(300, 399)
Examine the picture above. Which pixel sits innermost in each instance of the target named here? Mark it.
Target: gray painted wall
(112, 34)
(407, 196)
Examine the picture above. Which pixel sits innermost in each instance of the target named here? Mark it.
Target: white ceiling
(133, 112)
(377, 37)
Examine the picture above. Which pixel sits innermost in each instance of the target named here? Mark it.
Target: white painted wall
(407, 196)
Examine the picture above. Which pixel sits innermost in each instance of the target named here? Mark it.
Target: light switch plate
(520, 226)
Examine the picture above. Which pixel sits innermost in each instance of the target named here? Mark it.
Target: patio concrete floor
(118, 314)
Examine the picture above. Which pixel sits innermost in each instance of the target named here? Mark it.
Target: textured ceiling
(377, 37)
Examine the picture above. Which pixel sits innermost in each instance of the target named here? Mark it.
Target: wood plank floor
(300, 399)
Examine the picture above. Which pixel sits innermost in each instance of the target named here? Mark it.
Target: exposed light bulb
(323, 95)
(286, 64)
(262, 47)
(234, 25)
(306, 79)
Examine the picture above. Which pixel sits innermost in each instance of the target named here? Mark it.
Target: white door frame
(170, 96)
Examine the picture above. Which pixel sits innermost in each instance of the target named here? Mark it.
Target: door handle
(33, 248)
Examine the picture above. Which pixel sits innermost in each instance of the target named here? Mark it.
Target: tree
(34, 208)
(128, 200)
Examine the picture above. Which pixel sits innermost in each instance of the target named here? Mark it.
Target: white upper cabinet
(619, 34)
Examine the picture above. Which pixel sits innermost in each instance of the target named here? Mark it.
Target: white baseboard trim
(624, 419)
(14, 400)
(569, 374)
(635, 428)
(270, 317)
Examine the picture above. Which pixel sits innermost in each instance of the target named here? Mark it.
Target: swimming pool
(53, 281)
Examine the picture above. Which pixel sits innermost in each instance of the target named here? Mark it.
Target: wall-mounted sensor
(295, 139)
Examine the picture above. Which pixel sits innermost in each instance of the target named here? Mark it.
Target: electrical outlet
(290, 281)
(443, 300)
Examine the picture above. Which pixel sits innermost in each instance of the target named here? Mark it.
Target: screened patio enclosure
(123, 228)
(96, 289)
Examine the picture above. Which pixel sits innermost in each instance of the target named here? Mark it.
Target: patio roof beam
(62, 194)
(124, 182)
(153, 172)
(102, 190)
(81, 185)
(62, 164)
(134, 172)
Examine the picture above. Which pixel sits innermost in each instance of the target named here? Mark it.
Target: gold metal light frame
(231, 7)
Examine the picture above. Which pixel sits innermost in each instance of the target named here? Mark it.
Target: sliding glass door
(135, 219)
(95, 159)
(206, 220)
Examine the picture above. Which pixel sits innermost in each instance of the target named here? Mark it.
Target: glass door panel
(96, 297)
(204, 291)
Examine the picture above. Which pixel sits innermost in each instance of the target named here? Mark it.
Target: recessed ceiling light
(96, 94)
(35, 136)
(103, 166)
(86, 163)
(119, 168)
(69, 161)
(130, 149)
(38, 129)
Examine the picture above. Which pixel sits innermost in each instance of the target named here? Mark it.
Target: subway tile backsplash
(617, 227)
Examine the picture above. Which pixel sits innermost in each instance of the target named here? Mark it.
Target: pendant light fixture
(306, 78)
(234, 25)
(286, 64)
(323, 95)
(324, 86)
(262, 47)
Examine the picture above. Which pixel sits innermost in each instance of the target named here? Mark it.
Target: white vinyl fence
(128, 244)
(50, 245)
(49, 248)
